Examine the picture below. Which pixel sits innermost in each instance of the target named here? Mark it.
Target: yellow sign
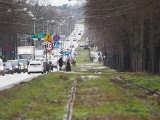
(48, 38)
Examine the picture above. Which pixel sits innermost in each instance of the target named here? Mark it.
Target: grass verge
(42, 98)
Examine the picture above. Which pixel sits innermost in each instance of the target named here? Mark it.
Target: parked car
(25, 63)
(36, 67)
(71, 46)
(74, 39)
(1, 68)
(80, 45)
(16, 66)
(91, 45)
(86, 46)
(8, 68)
(22, 67)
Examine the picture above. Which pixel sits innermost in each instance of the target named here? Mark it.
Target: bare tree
(127, 32)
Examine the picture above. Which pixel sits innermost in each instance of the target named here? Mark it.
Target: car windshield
(35, 64)
(25, 56)
(24, 61)
(21, 63)
(13, 62)
(7, 64)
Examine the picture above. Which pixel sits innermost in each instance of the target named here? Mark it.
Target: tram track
(147, 91)
(71, 101)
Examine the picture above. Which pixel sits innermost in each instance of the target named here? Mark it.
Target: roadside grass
(42, 98)
(99, 97)
(148, 81)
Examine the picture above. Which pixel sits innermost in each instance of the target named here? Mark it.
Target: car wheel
(41, 72)
(28, 72)
(2, 74)
(12, 73)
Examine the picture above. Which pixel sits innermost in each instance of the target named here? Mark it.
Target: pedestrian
(68, 65)
(73, 61)
(48, 67)
(100, 60)
(60, 61)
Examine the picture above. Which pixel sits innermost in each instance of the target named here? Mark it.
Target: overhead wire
(109, 9)
(116, 13)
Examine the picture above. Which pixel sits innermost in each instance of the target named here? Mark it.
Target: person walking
(73, 61)
(68, 65)
(60, 61)
(100, 60)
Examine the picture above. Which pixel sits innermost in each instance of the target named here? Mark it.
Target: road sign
(7, 48)
(41, 36)
(56, 44)
(48, 38)
(48, 46)
(7, 52)
(56, 38)
(67, 53)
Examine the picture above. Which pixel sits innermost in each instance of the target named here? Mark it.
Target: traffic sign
(67, 53)
(48, 38)
(7, 52)
(56, 44)
(56, 38)
(7, 48)
(63, 53)
(48, 46)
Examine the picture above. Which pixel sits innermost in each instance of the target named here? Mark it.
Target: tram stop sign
(48, 46)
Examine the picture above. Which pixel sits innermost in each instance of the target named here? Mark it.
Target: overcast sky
(61, 2)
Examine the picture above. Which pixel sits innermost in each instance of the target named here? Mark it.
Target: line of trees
(16, 22)
(127, 32)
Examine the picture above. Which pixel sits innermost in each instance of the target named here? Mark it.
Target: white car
(35, 67)
(75, 39)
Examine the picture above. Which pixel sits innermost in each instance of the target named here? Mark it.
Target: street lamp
(34, 24)
(50, 22)
(48, 25)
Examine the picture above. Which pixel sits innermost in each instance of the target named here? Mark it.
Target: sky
(61, 2)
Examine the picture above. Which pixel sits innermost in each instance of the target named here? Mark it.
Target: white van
(1, 68)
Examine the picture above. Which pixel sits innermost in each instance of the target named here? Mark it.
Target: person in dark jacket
(60, 61)
(68, 65)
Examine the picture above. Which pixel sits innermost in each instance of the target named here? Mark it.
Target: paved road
(9, 80)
